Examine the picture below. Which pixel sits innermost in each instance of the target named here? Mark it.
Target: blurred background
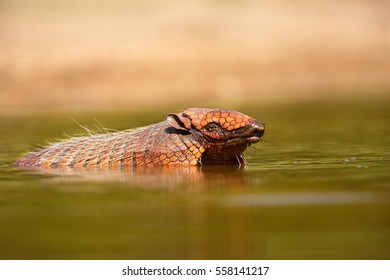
(84, 54)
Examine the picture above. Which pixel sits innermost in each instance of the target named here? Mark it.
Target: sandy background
(80, 54)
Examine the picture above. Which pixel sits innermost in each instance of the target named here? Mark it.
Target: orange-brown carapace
(193, 137)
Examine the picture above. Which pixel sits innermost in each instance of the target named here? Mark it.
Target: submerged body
(194, 137)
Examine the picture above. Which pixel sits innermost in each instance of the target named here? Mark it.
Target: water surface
(316, 187)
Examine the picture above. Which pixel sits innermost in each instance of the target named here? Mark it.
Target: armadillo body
(192, 137)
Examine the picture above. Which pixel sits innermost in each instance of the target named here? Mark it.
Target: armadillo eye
(212, 127)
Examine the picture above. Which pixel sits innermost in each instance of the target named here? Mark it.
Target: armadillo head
(224, 134)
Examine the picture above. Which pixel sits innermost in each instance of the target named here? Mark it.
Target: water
(317, 187)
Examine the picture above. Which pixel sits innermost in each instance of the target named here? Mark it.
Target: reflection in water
(224, 233)
(195, 227)
(191, 178)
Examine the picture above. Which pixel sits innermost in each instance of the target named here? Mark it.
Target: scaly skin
(194, 137)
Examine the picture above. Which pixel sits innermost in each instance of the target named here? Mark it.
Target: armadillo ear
(179, 121)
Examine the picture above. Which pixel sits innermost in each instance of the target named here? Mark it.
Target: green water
(317, 187)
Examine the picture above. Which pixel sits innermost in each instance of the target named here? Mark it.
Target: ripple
(306, 199)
